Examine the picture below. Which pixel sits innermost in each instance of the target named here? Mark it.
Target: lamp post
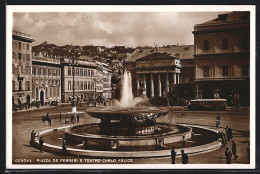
(73, 64)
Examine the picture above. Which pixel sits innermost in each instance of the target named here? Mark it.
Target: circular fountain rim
(131, 154)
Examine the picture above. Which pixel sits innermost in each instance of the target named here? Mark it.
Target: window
(20, 85)
(92, 73)
(69, 71)
(85, 85)
(69, 85)
(77, 72)
(245, 43)
(206, 71)
(81, 85)
(28, 70)
(28, 56)
(20, 55)
(88, 73)
(206, 45)
(44, 71)
(28, 46)
(224, 44)
(225, 70)
(88, 85)
(20, 45)
(245, 71)
(27, 85)
(41, 71)
(85, 72)
(81, 72)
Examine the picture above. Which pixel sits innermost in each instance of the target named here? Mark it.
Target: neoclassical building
(21, 68)
(156, 72)
(222, 56)
(46, 78)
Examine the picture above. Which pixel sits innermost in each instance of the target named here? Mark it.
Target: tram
(208, 104)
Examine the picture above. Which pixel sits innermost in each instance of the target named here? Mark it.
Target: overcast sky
(110, 29)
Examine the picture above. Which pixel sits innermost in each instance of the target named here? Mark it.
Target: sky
(111, 28)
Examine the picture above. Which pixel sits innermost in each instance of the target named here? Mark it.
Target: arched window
(88, 85)
(206, 45)
(224, 44)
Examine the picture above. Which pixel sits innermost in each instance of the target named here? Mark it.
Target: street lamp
(73, 64)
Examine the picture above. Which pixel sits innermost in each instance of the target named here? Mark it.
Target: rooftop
(179, 51)
(233, 17)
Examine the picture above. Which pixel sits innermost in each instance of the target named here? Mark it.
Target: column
(159, 85)
(144, 92)
(174, 78)
(178, 78)
(137, 83)
(167, 82)
(152, 86)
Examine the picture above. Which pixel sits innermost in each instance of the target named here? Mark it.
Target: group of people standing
(46, 118)
(184, 156)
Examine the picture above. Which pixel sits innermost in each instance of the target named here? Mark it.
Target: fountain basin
(166, 134)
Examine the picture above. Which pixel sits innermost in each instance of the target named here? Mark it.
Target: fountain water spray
(127, 99)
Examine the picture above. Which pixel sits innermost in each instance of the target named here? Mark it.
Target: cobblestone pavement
(26, 121)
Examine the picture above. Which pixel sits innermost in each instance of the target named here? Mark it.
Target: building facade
(21, 68)
(157, 72)
(84, 80)
(222, 56)
(46, 79)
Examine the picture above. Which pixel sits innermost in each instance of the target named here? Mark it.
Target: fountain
(128, 122)
(129, 129)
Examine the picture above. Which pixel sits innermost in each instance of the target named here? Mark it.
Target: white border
(123, 8)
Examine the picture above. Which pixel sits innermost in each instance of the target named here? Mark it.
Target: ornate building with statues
(222, 56)
(156, 72)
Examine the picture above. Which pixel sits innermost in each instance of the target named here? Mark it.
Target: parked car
(54, 103)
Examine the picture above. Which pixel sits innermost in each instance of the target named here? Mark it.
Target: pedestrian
(77, 118)
(182, 113)
(234, 149)
(43, 118)
(230, 133)
(49, 121)
(32, 138)
(228, 155)
(64, 147)
(47, 116)
(218, 117)
(227, 133)
(41, 141)
(217, 124)
(173, 154)
(185, 158)
(224, 139)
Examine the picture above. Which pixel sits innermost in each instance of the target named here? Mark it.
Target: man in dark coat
(64, 147)
(228, 155)
(234, 149)
(173, 155)
(41, 141)
(185, 158)
(32, 138)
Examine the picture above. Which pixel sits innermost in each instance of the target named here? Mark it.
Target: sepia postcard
(130, 87)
